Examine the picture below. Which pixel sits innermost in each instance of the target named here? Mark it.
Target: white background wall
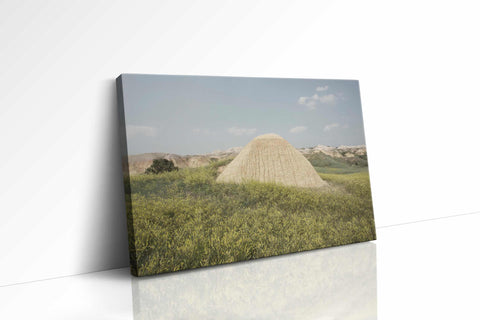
(61, 194)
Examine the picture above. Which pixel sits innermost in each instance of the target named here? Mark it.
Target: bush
(161, 165)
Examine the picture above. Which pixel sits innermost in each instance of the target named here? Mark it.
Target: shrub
(161, 165)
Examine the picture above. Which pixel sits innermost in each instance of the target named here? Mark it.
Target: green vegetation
(326, 164)
(161, 165)
(184, 219)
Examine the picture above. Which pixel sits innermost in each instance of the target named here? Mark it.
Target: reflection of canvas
(220, 169)
(337, 283)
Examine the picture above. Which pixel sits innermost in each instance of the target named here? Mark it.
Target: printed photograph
(225, 169)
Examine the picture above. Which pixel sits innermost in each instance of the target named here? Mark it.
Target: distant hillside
(138, 163)
(325, 159)
(343, 159)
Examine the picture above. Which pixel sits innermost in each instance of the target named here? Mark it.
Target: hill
(342, 159)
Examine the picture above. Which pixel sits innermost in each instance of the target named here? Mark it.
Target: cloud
(202, 131)
(298, 129)
(241, 131)
(328, 99)
(330, 126)
(133, 130)
(321, 89)
(313, 101)
(307, 101)
(302, 100)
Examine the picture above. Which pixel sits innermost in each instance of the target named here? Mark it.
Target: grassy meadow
(184, 219)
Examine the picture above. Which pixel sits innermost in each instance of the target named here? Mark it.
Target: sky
(197, 114)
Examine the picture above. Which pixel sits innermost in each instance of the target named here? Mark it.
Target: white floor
(423, 270)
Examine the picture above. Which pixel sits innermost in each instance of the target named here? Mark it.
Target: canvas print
(226, 169)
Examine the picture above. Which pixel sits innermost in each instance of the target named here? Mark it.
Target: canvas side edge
(126, 177)
(368, 162)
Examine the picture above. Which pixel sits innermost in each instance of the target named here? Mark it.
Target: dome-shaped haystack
(270, 158)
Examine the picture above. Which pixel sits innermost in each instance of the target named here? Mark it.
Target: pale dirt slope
(270, 158)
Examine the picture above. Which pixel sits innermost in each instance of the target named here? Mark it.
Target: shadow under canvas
(107, 247)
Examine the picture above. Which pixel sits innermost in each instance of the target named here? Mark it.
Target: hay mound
(270, 158)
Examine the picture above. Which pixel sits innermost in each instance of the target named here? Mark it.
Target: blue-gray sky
(197, 115)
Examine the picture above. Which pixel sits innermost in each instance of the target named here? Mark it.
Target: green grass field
(184, 219)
